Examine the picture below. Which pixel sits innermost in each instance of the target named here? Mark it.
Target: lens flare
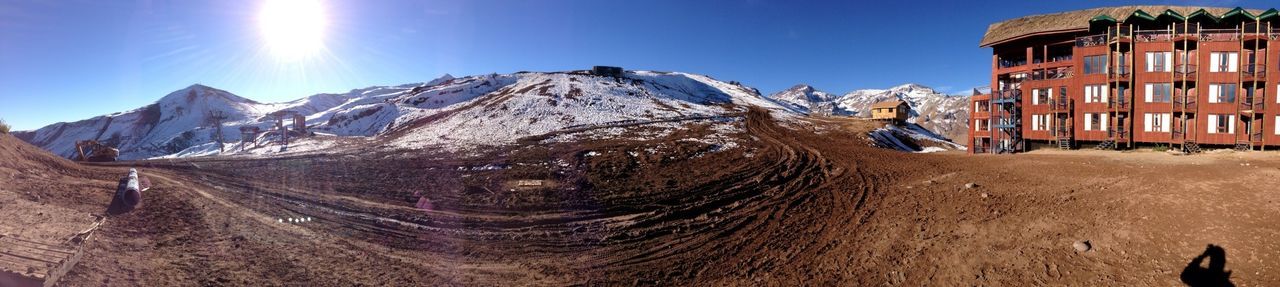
(293, 29)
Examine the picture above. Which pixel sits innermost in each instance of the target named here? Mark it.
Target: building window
(1159, 93)
(1222, 124)
(1095, 94)
(1157, 123)
(1095, 64)
(1224, 62)
(1039, 122)
(1041, 96)
(1159, 61)
(982, 125)
(1222, 93)
(1277, 124)
(1095, 121)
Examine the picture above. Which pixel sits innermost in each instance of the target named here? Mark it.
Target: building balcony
(1090, 41)
(1254, 72)
(1120, 73)
(1255, 32)
(1061, 104)
(1004, 64)
(1187, 71)
(1186, 33)
(1062, 131)
(1006, 96)
(1153, 36)
(1118, 102)
(1120, 34)
(1186, 102)
(1118, 134)
(1219, 35)
(1051, 74)
(1252, 104)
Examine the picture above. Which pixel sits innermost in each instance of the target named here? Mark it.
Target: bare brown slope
(42, 177)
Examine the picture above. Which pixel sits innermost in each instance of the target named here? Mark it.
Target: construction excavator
(96, 152)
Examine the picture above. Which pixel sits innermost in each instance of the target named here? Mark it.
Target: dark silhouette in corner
(1196, 275)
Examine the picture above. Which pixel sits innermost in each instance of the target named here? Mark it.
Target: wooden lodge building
(895, 110)
(1120, 77)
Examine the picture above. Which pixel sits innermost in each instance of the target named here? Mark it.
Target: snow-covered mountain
(489, 109)
(946, 115)
(808, 100)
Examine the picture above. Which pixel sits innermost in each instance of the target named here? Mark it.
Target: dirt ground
(812, 204)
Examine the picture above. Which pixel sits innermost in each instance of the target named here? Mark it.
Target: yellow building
(890, 110)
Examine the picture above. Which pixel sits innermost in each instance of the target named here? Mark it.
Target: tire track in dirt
(788, 202)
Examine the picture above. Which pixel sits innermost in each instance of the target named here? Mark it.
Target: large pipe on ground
(131, 194)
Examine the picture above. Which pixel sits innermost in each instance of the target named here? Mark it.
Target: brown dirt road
(813, 204)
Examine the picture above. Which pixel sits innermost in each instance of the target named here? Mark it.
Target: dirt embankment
(814, 204)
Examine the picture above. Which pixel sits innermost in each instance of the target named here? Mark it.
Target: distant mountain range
(946, 115)
(491, 109)
(453, 113)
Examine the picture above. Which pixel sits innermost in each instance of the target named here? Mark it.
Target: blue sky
(71, 60)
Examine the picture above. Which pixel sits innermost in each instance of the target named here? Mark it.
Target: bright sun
(293, 29)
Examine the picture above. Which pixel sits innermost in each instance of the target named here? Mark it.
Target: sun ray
(293, 29)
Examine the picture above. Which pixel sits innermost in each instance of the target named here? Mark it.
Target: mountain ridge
(491, 109)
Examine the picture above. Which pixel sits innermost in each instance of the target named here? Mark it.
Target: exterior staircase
(1243, 146)
(1064, 143)
(1191, 147)
(1107, 145)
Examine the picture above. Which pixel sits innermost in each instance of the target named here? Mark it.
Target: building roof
(1074, 21)
(887, 104)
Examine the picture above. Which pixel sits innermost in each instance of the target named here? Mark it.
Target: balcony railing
(1121, 70)
(1153, 36)
(1060, 104)
(1062, 131)
(1254, 70)
(1012, 63)
(1118, 102)
(1006, 96)
(1249, 103)
(1186, 101)
(1219, 35)
(1090, 41)
(1117, 133)
(1051, 74)
(1188, 70)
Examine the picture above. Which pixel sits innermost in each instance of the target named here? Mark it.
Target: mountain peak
(801, 87)
(199, 91)
(912, 87)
